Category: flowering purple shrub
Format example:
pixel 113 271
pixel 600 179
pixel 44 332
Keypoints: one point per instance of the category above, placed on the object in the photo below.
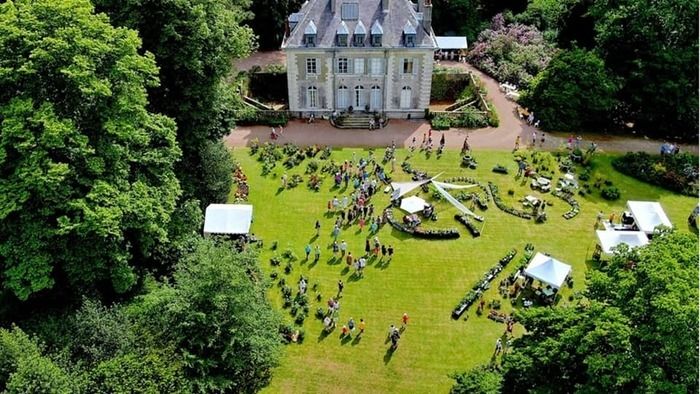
pixel 512 53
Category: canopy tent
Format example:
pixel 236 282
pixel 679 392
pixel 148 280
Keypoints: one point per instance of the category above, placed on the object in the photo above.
pixel 647 215
pixel 402 188
pixel 228 219
pixel 610 239
pixel 413 204
pixel 450 43
pixel 548 270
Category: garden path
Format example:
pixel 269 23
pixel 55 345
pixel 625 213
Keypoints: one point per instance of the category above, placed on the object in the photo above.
pixel 403 131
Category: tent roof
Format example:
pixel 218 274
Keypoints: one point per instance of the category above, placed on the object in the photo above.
pixel 548 270
pixel 412 204
pixel 648 214
pixel 610 239
pixel 451 42
pixel 402 188
pixel 228 219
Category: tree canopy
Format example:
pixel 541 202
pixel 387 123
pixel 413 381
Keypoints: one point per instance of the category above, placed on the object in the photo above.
pixel 636 331
pixel 86 171
pixel 194 42
pixel 574 91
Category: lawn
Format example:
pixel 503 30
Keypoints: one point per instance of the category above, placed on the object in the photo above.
pixel 426 278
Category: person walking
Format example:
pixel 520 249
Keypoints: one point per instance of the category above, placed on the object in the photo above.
pixel 343 248
pixel 351 325
pixel 341 286
pixel 307 250
pixel 336 232
pixel 284 181
pixel 344 331
pixel 499 347
pixel 367 248
pixel 317 253
pixel 317 226
pixel 361 326
pixel 383 251
pixel 404 320
pixel 390 251
pixel 534 138
pixel 442 140
pixel 542 140
pixel 348 259
pixel 517 143
pixel 335 248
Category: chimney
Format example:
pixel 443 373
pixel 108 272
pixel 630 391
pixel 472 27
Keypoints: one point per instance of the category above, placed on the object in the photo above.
pixel 333 6
pixel 427 14
pixel 385 5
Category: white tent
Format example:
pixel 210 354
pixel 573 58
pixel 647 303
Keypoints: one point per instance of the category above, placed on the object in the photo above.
pixel 647 215
pixel 451 42
pixel 228 219
pixel 402 188
pixel 548 270
pixel 412 204
pixel 610 239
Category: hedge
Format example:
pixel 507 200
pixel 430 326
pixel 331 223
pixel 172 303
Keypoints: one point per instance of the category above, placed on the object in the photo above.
pixel 678 173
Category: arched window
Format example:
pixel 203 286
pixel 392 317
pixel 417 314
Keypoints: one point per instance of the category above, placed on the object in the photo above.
pixel 375 98
pixel 312 97
pixel 405 97
pixel 342 100
pixel 359 101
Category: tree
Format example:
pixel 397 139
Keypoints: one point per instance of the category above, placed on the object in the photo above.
pixel 269 20
pixel 653 47
pixel 217 315
pixel 480 380
pixel 637 330
pixel 461 17
pixel 23 368
pixel 575 92
pixel 150 373
pixel 194 42
pixel 86 172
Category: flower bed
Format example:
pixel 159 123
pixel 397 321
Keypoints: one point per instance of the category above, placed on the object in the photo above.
pixel 241 181
pixel 481 286
pixel 499 203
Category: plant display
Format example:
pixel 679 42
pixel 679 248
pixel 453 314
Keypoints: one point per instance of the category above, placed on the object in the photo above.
pixel 294 181
pixel 673 172
pixel 464 219
pixel 610 193
pixel 315 182
pixel 499 203
pixel 569 198
pixel 481 286
pixel 499 169
pixel 418 231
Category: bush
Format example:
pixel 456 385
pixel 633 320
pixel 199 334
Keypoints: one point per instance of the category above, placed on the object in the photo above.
pixel 440 122
pixel 610 193
pixel 673 172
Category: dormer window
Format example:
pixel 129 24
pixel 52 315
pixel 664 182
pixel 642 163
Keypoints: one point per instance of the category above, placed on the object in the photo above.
pixel 409 35
pixel 376 34
pixel 310 34
pixel 358 36
pixel 341 35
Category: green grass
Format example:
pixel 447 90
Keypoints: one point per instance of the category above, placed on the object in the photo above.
pixel 425 279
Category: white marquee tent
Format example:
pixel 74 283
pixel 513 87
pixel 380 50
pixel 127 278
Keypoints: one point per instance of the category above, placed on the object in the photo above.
pixel 451 42
pixel 610 239
pixel 413 204
pixel 647 215
pixel 228 219
pixel 548 270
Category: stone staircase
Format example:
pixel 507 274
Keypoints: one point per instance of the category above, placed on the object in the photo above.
pixel 353 121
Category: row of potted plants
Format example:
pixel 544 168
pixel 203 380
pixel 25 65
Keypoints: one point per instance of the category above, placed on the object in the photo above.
pixel 418 231
pixel 503 207
pixel 469 225
pixel 569 198
pixel 478 289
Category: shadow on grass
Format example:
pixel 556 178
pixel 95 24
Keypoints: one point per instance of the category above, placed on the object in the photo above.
pixel 324 334
pixel 313 263
pixel 344 339
pixel 357 340
pixel 279 191
pixel 312 239
pixel 333 261
pixel 354 277
pixel 389 354
pixel 345 271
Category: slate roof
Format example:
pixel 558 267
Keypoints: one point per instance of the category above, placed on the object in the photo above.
pixel 401 14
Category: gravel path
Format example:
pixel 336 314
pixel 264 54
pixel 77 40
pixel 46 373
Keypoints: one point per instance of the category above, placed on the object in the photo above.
pixel 403 131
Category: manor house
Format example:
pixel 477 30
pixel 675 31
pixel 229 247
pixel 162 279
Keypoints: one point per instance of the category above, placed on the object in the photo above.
pixel 372 55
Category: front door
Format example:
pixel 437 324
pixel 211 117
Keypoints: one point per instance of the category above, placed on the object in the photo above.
pixel 359 98
pixel 405 97
pixel 342 99
pixel 375 98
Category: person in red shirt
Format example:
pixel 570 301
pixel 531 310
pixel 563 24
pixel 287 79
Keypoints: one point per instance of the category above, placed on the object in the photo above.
pixel 404 320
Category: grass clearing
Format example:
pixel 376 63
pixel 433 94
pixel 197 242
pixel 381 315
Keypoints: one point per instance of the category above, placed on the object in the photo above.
pixel 426 278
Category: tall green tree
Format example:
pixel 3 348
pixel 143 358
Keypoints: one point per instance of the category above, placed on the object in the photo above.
pixel 217 315
pixel 269 20
pixel 636 331
pixel 86 172
pixel 575 92
pixel 653 47
pixel 194 42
